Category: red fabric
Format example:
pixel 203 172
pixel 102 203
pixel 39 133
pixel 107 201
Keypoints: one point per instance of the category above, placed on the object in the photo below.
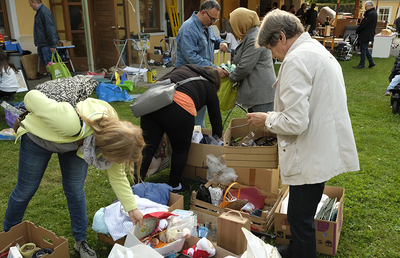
pixel 159 215
pixel 200 254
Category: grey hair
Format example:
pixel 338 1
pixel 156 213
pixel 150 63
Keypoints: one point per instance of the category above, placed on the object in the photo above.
pixel 273 23
pixel 210 4
pixel 370 3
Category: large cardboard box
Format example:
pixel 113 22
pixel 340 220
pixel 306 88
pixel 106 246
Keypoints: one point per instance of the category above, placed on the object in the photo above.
pixel 30 64
pixel 327 232
pixel 156 58
pixel 175 202
pixel 27 232
pixel 248 157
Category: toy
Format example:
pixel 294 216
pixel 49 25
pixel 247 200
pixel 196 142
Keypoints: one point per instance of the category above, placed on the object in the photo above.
pixel 203 249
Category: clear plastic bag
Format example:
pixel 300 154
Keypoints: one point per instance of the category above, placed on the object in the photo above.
pixel 218 172
pixel 175 228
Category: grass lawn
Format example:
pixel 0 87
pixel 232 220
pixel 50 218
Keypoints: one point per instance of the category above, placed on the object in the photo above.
pixel 371 224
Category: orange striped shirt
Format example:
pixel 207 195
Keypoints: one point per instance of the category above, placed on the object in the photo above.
pixel 185 102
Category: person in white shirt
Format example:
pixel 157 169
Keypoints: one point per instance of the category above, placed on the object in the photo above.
pixel 8 78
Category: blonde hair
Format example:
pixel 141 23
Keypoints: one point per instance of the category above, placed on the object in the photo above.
pixel 273 23
pixel 118 140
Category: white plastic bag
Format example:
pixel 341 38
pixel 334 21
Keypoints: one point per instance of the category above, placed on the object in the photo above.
pixel 137 251
pixel 218 172
pixel 256 248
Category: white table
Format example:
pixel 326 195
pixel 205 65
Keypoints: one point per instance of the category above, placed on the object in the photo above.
pixel 382 45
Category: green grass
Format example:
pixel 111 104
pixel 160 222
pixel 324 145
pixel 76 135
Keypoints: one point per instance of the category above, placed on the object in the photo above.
pixel 371 225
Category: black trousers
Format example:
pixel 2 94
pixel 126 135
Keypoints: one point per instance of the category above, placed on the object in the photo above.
pixel 6 96
pixel 178 124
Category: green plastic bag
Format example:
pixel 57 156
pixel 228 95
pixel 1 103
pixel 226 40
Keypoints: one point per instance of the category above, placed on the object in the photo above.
pixel 227 94
pixel 57 68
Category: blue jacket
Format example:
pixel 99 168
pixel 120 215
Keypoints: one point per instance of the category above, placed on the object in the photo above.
pixel 196 44
pixel 44 28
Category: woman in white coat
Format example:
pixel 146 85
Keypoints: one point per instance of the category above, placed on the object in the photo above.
pixel 311 120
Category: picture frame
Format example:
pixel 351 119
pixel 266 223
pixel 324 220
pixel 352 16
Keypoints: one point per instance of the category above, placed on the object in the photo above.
pixel 21 82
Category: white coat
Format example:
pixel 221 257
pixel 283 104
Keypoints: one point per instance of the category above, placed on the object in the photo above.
pixel 315 137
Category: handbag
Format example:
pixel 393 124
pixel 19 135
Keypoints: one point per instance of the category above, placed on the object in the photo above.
pixel 57 68
pixel 227 94
pixel 111 93
pixel 157 96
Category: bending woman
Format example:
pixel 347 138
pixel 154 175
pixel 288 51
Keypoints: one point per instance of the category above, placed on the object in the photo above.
pixel 177 119
pixel 78 136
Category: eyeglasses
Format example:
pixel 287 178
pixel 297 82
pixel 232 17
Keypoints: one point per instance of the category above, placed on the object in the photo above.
pixel 212 19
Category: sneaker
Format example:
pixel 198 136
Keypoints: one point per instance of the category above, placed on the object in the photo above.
pixel 84 250
pixel 183 188
pixel 285 251
pixel 359 67
pixel 371 65
pixel 387 93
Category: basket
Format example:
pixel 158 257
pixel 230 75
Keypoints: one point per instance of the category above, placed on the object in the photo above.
pixel 11 117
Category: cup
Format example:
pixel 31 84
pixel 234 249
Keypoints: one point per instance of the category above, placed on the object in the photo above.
pixel 211 223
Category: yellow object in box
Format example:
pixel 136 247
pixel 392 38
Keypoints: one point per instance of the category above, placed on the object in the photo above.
pixel 152 75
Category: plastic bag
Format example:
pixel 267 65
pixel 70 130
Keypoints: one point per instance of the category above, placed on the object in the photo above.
pixel 256 248
pixel 227 94
pixel 111 93
pixel 216 195
pixel 176 226
pixel 218 172
pixel 57 67
pixel 137 251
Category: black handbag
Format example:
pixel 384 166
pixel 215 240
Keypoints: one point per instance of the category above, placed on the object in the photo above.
pixel 203 194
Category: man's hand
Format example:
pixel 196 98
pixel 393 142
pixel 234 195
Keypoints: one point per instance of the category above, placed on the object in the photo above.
pixel 136 216
pixel 222 72
pixel 223 46
pixel 53 49
pixel 257 119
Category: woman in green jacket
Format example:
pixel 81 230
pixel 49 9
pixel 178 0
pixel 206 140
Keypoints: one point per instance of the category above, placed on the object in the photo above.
pixel 90 134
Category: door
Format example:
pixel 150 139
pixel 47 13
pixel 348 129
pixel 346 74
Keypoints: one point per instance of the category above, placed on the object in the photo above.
pixel 190 7
pixel 106 30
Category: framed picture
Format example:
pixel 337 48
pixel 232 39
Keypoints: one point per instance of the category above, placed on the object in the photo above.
pixel 21 81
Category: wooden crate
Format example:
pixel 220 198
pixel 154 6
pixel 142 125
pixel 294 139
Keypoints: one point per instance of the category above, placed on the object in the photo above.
pixel 263 224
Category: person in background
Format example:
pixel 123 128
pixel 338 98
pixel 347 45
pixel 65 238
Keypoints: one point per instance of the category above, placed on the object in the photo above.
pixel 366 33
pixel 397 23
pixel 91 133
pixel 291 9
pixel 8 78
pixel 196 42
pixel 301 12
pixel 177 119
pixel 312 124
pixel 274 6
pixel 44 31
pixel 310 18
pixel 283 8
pixel 394 79
pixel 254 67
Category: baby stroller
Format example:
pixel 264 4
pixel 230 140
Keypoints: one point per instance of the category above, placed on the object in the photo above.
pixel 349 43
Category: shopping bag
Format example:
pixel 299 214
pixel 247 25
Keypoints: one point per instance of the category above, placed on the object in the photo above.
pixel 256 248
pixel 111 93
pixel 227 94
pixel 137 251
pixel 57 68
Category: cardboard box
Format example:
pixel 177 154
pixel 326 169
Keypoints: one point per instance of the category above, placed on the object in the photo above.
pixel 30 64
pixel 327 232
pixel 27 232
pixel 64 43
pixel 263 179
pixel 175 202
pixel 249 157
pixel 156 58
pixel 230 235
pixel 220 252
pixel 137 56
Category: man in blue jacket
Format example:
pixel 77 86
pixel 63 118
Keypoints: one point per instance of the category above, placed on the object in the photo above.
pixel 196 42
pixel 366 33
pixel 44 31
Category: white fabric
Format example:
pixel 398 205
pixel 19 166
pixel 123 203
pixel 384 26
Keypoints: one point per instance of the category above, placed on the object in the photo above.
pixel 315 137
pixel 231 41
pixel 285 202
pixel 118 221
pixel 8 80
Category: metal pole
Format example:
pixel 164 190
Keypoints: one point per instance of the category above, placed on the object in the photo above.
pixel 334 28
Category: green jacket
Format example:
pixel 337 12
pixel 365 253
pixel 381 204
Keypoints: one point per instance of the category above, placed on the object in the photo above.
pixel 59 122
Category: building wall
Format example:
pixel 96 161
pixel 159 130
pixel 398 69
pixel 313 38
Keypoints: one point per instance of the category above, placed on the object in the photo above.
pixel 26 15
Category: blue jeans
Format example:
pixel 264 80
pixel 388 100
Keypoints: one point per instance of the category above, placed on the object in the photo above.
pixel 201 114
pixel 44 54
pixel 303 202
pixel 365 53
pixel 33 161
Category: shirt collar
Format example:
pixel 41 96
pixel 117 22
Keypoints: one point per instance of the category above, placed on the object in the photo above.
pixel 37 9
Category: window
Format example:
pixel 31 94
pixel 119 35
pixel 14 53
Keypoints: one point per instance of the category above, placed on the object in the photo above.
pixel 4 27
pixel 383 13
pixel 149 15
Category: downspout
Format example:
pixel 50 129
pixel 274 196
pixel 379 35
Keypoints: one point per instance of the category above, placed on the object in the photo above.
pixel 88 38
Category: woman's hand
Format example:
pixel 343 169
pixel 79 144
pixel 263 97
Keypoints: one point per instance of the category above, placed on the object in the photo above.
pixel 257 119
pixel 136 216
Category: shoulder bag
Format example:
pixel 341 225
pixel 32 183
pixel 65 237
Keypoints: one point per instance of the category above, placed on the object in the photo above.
pixel 157 96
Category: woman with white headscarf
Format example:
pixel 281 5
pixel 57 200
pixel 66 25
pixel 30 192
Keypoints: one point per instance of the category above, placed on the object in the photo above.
pixel 254 67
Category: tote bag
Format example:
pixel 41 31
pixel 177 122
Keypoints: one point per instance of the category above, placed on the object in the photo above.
pixel 57 68
pixel 227 94
pixel 157 96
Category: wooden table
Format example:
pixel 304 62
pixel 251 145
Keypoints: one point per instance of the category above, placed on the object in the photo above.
pixel 327 41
